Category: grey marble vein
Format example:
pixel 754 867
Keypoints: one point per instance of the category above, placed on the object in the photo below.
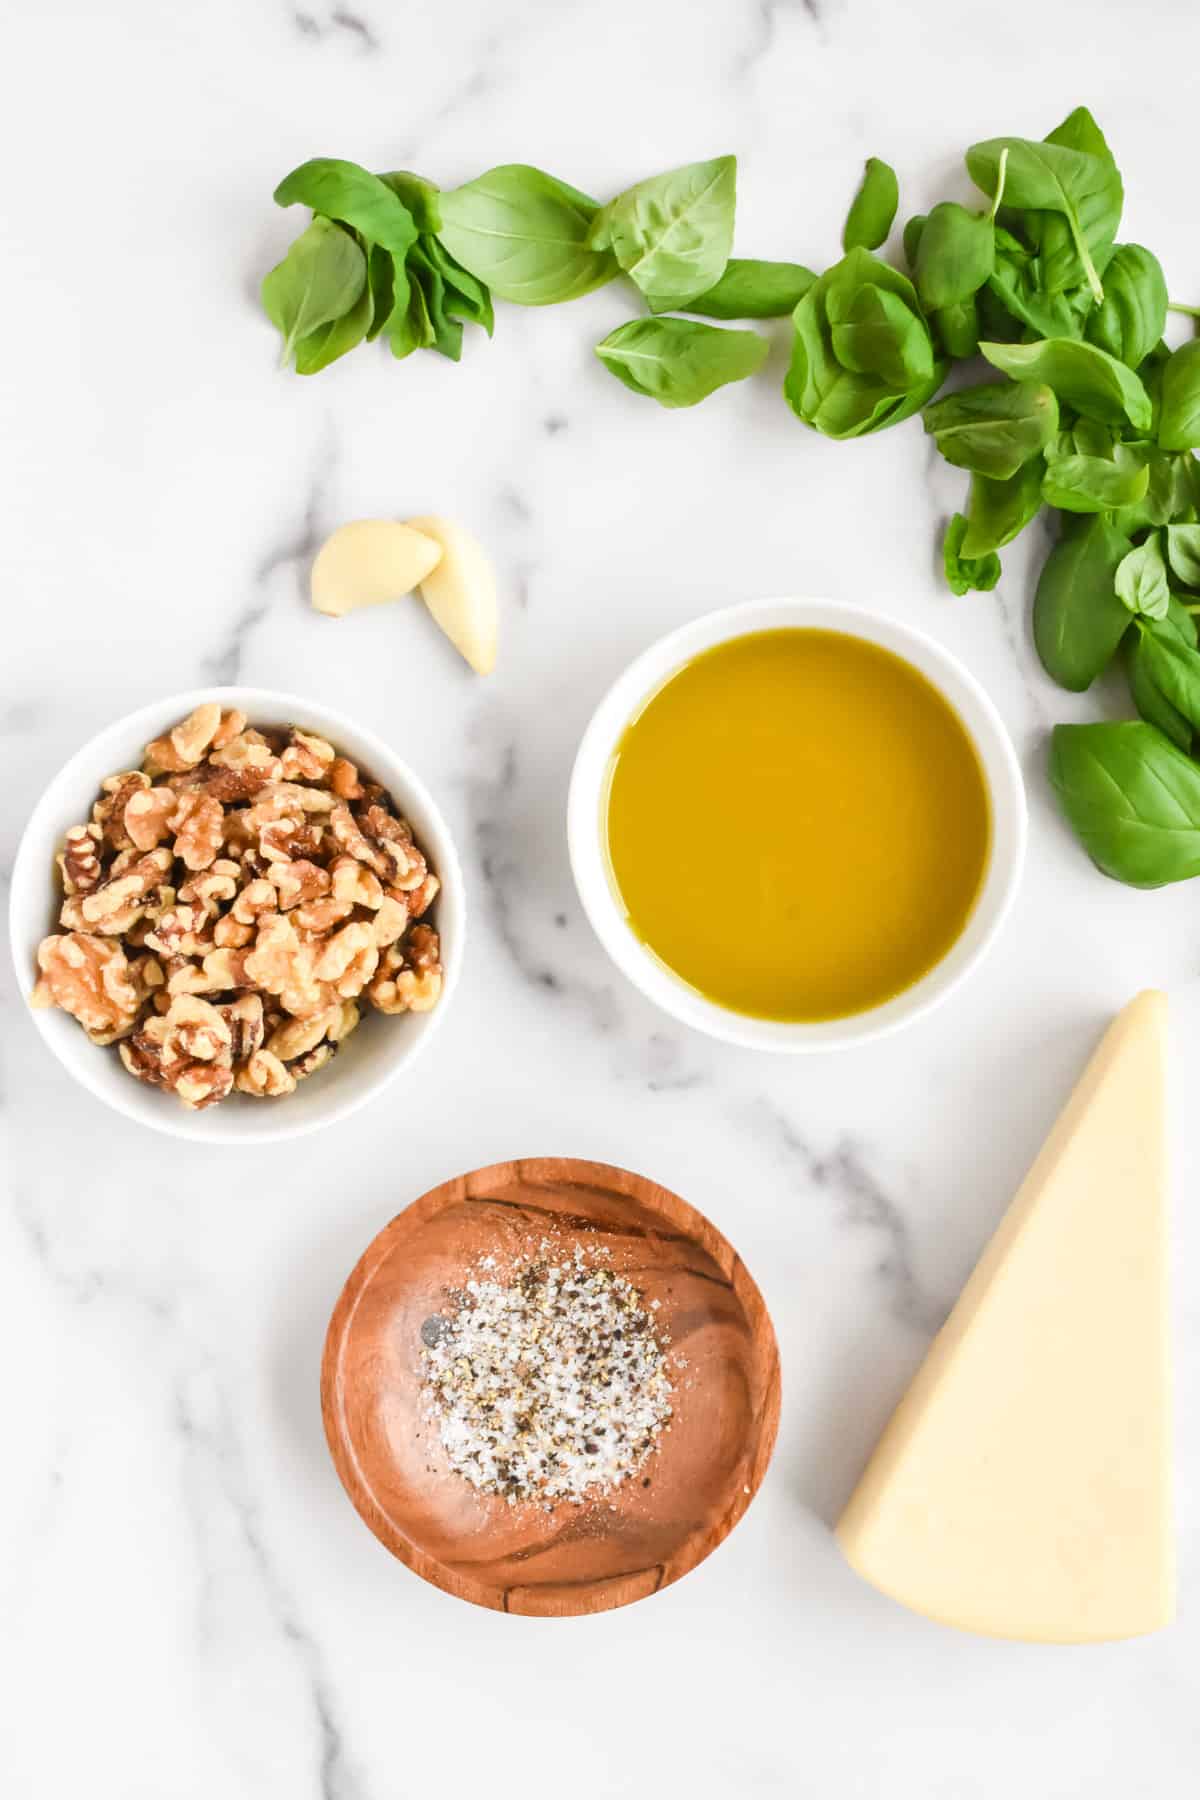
pixel 844 1175
pixel 340 19
pixel 294 552
pixel 767 15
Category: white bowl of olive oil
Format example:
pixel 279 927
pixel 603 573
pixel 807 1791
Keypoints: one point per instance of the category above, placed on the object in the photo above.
pixel 796 824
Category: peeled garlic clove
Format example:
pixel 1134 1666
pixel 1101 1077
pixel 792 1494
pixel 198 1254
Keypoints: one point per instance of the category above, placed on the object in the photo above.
pixel 460 592
pixel 369 561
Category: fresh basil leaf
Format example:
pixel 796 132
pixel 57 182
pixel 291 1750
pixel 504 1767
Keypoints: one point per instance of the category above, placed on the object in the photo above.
pixel 998 511
pixel 447 330
pixel 381 277
pixel 955 329
pixel 1095 484
pixel 525 235
pixel 421 198
pixel 873 209
pixel 994 428
pixel 1051 177
pixel 344 191
pixel 679 362
pixel 1151 703
pixel 410 327
pixel 1079 131
pixel 1058 257
pixel 1183 553
pixel 839 402
pixel 329 341
pixel 1179 421
pixel 912 238
pixel 466 296
pixel 1078 621
pixel 955 257
pixel 321 278
pixel 1088 379
pixel 1174 668
pixel 1141 580
pixel 880 335
pixel 750 289
pixel 1016 284
pixel 965 573
pixel 1129 322
pixel 1133 799
pixel 1167 493
pixel 672 234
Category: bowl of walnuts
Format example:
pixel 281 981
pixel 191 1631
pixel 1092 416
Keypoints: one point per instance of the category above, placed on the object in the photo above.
pixel 237 915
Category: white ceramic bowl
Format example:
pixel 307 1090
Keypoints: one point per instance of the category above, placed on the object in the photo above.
pixel 372 1057
pixel 586 826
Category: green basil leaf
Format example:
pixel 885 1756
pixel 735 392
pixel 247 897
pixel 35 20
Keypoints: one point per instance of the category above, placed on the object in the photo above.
pixel 1174 668
pixel 525 235
pixel 1078 621
pixel 1151 702
pixel 1183 553
pixel 1051 177
pixel 1130 321
pixel 964 573
pixel 381 277
pixel 1141 580
pixel 880 335
pixel 1167 493
pixel 410 327
pixel 998 511
pixel 1179 421
pixel 912 238
pixel 342 190
pixel 1015 283
pixel 321 278
pixel 1088 379
pixel 956 255
pixel 1095 484
pixel 1153 705
pixel 838 402
pixel 956 329
pixel 1133 799
pixel 421 197
pixel 679 362
pixel 873 208
pixel 1058 257
pixel 324 345
pixel 751 289
pixel 672 234
pixel 466 296
pixel 995 428
pixel 447 330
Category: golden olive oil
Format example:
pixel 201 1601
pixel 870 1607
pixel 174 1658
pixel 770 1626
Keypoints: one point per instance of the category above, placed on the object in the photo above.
pixel 797 824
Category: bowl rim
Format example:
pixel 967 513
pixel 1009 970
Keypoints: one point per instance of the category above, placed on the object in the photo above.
pixel 633 688
pixel 210 1126
pixel 585 1598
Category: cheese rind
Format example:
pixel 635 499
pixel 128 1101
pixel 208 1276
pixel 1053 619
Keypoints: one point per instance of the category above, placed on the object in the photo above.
pixel 1022 1487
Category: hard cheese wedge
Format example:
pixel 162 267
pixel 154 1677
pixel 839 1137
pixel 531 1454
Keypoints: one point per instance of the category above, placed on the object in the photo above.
pixel 1022 1487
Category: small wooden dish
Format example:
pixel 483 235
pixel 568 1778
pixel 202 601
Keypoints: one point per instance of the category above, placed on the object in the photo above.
pixel 577 1558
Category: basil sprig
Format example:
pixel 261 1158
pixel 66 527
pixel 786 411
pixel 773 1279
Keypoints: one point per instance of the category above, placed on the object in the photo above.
pixel 1087 413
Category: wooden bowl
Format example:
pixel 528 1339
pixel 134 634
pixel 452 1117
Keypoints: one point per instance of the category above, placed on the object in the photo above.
pixel 576 1558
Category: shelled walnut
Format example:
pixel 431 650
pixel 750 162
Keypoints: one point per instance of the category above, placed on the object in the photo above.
pixel 231 906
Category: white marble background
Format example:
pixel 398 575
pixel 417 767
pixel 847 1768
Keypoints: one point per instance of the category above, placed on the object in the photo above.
pixel 188 1606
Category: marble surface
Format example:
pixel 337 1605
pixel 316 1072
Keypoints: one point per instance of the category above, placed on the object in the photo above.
pixel 188 1605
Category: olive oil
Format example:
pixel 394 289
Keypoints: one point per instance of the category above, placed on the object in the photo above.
pixel 797 824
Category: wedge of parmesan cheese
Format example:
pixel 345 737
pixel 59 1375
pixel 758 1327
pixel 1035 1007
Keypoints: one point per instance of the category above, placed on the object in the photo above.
pixel 1023 1486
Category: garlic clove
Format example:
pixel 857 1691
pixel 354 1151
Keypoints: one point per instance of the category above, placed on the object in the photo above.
pixel 370 561
pixel 460 592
